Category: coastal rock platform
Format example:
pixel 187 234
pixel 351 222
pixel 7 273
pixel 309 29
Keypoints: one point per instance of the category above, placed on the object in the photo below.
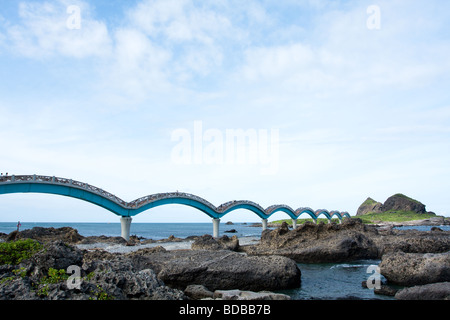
pixel 141 272
pixel 150 273
pixel 351 240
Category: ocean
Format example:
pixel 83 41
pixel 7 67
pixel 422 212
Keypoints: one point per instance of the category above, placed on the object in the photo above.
pixel 328 281
pixel 155 231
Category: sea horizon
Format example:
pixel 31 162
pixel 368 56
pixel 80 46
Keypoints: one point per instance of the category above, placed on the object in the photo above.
pixel 147 230
pixel 159 230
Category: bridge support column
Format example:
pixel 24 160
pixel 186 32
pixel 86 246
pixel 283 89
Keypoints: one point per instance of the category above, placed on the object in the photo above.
pixel 294 224
pixel 264 224
pixel 125 223
pixel 216 223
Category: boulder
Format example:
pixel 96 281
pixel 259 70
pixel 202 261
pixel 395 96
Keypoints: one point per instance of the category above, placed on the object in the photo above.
pixel 351 240
pixel 66 234
pixel 432 291
pixel 222 269
pixel 410 269
pixel 318 243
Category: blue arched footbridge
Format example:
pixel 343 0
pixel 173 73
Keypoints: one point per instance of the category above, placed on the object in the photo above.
pixel 126 210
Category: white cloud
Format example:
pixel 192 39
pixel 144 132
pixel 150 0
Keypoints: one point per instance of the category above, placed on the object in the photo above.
pixel 43 32
pixel 352 105
pixel 180 21
pixel 194 34
pixel 341 55
pixel 139 65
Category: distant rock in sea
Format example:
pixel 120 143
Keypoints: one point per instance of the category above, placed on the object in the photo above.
pixel 397 202
pixel 369 205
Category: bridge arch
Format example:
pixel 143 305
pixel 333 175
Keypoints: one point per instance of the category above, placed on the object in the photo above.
pixel 324 212
pixel 176 200
pixel 126 210
pixel 67 191
pixel 308 211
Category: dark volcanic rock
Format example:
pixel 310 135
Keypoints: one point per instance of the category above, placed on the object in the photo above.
pixel 311 243
pixel 66 234
pixel 103 276
pixel 120 279
pixel 56 255
pixel 351 240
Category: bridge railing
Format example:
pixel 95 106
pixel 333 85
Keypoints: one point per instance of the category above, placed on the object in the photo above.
pixel 227 205
pixel 270 209
pixel 57 180
pixel 153 197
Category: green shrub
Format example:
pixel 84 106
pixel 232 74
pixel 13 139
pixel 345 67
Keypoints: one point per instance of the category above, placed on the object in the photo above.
pixel 101 294
pixel 15 251
pixel 55 276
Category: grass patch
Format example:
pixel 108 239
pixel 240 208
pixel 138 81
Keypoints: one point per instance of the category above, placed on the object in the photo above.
pixel 369 202
pixel 400 195
pixel 394 216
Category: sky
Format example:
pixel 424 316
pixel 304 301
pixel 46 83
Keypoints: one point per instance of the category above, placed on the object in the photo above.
pixel 309 103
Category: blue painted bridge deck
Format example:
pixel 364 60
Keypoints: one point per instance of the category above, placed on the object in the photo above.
pixel 126 210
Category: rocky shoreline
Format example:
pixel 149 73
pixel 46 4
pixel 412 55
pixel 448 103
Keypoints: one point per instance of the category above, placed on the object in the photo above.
pixel 216 268
pixel 400 251
pixel 146 273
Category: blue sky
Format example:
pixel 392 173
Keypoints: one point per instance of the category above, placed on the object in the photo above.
pixel 359 111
